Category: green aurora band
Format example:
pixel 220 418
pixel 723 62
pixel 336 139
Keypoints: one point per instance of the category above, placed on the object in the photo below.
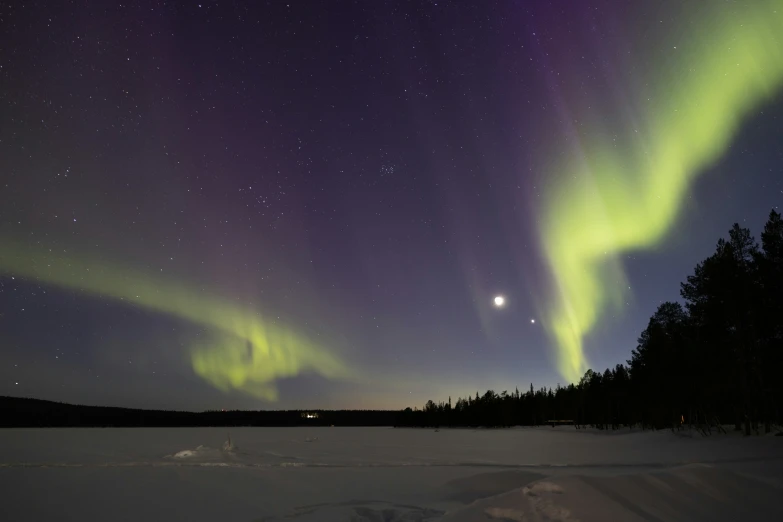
pixel 246 352
pixel 625 190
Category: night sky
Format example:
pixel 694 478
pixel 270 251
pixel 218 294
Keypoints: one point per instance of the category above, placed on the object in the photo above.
pixel 314 203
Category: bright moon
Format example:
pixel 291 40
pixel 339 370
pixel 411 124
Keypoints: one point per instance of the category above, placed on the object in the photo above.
pixel 500 301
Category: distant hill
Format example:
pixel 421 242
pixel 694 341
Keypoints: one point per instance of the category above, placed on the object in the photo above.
pixel 16 412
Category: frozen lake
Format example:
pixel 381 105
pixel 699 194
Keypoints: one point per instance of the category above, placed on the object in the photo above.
pixel 385 474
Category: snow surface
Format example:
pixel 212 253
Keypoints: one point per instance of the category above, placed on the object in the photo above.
pixel 385 474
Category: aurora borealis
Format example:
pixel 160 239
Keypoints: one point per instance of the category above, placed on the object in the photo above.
pixel 249 353
pixel 625 194
pixel 315 204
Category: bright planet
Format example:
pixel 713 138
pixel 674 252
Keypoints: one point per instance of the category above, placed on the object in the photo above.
pixel 499 301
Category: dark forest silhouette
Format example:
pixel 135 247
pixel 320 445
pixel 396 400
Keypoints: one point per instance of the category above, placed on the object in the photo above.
pixel 714 360
pixel 20 412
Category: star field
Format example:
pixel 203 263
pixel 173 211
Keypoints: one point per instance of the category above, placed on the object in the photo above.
pixel 314 204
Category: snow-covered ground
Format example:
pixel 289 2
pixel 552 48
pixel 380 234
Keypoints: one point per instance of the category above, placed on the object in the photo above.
pixel 385 474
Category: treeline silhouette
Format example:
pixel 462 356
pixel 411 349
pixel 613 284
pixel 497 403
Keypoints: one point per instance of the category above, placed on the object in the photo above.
pixel 714 359
pixel 33 413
